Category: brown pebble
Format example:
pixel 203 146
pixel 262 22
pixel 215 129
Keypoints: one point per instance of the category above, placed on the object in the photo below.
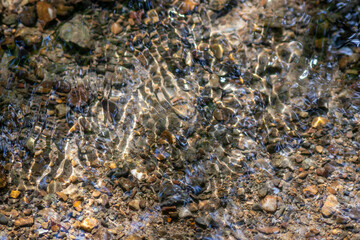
pixel 14 213
pixel 187 6
pixel 312 233
pixel 310 190
pixel 304 151
pixel 116 28
pixel 343 61
pixel 331 190
pixel 112 165
pixel 133 237
pixel 88 224
pixel 342 219
pixel 63 10
pixel 27 212
pixel 349 134
pixel 44 87
pixel 55 228
pixel 168 136
pixel 104 200
pixel 328 169
pixel 193 207
pixel 319 149
pixel 304 114
pixel 134 205
pixel 219 115
pixel 96 193
pixel 204 205
pixel 24 222
pixel 299 159
pixel 62 196
pixel 303 175
pixel 320 43
pixel 165 210
pixel 136 16
pixel 329 206
pixel 28 16
pixel 142 204
pixel 77 224
pixel 46 12
pixel 218 51
pixel 320 171
pixel 45 225
pixel 268 230
pixel 131 22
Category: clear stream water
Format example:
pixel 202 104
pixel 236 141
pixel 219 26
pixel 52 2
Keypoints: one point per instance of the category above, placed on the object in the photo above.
pixel 222 119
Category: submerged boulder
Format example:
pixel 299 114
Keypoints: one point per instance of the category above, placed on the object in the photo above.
pixel 76 32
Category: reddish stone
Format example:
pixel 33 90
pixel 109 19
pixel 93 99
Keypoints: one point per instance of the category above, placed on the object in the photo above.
pixel 46 12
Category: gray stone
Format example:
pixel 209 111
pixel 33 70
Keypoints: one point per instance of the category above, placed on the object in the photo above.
pixel 214 81
pixel 11 19
pixel 263 191
pixel 202 222
pixel 3 219
pixel 307 163
pixel 54 186
pixel 30 144
pixel 61 110
pixel 184 212
pixel 76 32
pixel 134 205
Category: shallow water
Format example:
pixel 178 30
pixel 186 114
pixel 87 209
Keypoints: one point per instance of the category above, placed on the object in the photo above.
pixel 181 120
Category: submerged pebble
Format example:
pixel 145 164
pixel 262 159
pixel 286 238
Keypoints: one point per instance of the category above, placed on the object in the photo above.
pixel 88 224
pixel 269 203
pixel 45 12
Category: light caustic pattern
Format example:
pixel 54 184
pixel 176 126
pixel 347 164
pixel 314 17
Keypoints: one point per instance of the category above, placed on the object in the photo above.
pixel 209 98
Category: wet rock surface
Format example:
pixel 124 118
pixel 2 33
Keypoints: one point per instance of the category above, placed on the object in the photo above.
pixel 76 32
pixel 179 120
pixel 24 222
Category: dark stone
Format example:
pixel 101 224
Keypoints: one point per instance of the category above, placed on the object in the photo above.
pixel 328 169
pixel 79 96
pixel 121 172
pixel 111 109
pixel 28 16
pixel 166 210
pixel 62 86
pixel 3 219
pixel 272 148
pixel 126 184
pixel 171 195
pixel 356 86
